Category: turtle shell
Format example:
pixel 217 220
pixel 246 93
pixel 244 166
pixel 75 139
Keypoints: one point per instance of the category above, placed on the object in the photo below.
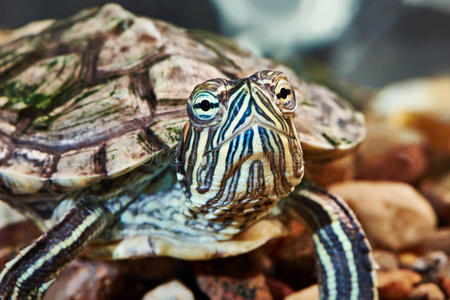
pixel 101 93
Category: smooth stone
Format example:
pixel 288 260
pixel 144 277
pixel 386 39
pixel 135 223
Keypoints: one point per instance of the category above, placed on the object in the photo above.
pixel 386 260
pixel 327 172
pixel 239 278
pixel 172 290
pixel 397 284
pixel 420 103
pixel 427 291
pixel 309 293
pixel 393 214
pixel 391 153
pixel 437 191
pixel 437 241
pixel 87 280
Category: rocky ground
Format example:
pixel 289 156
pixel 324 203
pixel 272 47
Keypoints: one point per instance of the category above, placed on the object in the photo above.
pixel 398 184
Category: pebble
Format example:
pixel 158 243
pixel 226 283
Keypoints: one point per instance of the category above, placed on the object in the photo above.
pixel 6 254
pixel 309 293
pixel 421 103
pixel 386 260
pixel 445 285
pixel 427 291
pixel 86 280
pixel 397 284
pixel 18 234
pixel 407 259
pixel 219 287
pixel 324 173
pixel 172 290
pixel 15 236
pixel 237 278
pixel 278 288
pixel 431 265
pixel 294 254
pixel 393 214
pixel 437 191
pixel 437 241
pixel 399 156
pixel 158 269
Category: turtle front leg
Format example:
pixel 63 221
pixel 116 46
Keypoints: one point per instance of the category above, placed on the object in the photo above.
pixel 346 268
pixel 32 271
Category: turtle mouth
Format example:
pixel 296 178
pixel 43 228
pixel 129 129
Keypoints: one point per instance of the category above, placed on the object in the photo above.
pixel 255 121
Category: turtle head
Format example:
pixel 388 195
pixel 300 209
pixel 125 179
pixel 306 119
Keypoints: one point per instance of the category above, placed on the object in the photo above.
pixel 239 152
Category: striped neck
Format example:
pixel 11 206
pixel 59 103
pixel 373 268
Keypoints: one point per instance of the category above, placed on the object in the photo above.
pixel 345 264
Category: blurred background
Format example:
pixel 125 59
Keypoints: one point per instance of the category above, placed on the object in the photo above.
pixel 389 57
pixel 365 42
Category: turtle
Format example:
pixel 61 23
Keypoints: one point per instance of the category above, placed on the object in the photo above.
pixel 124 137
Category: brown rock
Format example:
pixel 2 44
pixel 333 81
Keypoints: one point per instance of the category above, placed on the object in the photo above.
pixel 294 254
pixel 445 271
pixel 386 260
pixel 13 237
pixel 278 288
pixel 407 259
pixel 86 280
pixel 406 163
pixel 6 254
pixel 439 164
pixel 238 277
pixel 310 293
pixel 445 285
pixel 397 284
pixel 393 214
pixel 391 153
pixel 159 269
pixel 225 287
pixel 15 233
pixel 437 241
pixel 422 103
pixel 436 129
pixel 437 191
pixel 431 265
pixel 173 290
pixel 18 234
pixel 327 172
pixel 297 251
pixel 427 291
pixel 261 258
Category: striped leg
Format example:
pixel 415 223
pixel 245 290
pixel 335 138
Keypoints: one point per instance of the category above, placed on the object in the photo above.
pixel 345 265
pixel 28 275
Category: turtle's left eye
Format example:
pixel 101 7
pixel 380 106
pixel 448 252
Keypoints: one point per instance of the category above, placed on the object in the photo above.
pixel 205 106
pixel 285 96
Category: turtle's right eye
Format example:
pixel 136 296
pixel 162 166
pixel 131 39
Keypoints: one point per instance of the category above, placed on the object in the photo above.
pixel 205 106
pixel 285 96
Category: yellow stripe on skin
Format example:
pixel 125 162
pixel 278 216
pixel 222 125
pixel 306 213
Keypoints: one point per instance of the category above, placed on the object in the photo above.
pixel 54 251
pixel 242 110
pixel 325 259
